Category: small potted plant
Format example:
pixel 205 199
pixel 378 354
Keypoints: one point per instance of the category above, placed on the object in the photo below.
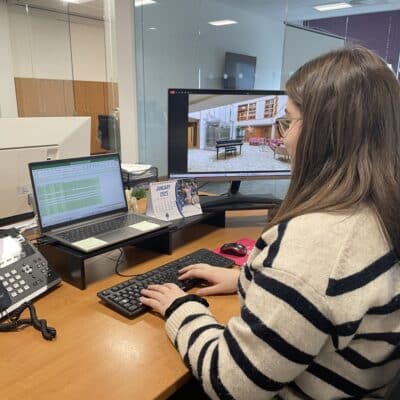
pixel 133 195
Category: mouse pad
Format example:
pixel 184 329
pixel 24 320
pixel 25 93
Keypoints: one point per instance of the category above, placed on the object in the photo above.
pixel 249 243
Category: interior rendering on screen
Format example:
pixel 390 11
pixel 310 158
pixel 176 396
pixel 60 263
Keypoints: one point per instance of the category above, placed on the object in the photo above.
pixel 214 133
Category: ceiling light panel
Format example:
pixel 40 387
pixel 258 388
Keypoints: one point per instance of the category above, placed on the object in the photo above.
pixel 332 6
pixel 222 22
pixel 139 3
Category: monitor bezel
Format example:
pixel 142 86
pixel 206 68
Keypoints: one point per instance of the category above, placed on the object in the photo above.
pixel 220 175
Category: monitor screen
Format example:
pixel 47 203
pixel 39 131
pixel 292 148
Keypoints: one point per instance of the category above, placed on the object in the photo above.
pixel 226 134
pixel 72 190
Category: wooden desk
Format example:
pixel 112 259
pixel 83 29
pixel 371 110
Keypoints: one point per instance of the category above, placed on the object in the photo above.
pixel 99 354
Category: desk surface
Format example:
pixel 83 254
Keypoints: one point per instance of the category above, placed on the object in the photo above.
pixel 99 354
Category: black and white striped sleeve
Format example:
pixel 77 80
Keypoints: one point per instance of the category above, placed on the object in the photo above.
pixel 283 325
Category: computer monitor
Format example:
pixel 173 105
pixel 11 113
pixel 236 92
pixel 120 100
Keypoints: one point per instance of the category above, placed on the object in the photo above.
pixel 26 140
pixel 228 135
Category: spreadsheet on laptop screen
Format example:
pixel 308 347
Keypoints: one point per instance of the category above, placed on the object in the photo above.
pixel 69 190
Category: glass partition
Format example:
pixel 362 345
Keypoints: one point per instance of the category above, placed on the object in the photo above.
pixel 372 24
pixel 60 59
pixel 187 44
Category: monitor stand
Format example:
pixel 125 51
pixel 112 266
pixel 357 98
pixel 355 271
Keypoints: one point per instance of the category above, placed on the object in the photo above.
pixel 234 200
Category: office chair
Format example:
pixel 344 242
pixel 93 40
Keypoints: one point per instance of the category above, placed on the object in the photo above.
pixel 393 392
pixel 108 132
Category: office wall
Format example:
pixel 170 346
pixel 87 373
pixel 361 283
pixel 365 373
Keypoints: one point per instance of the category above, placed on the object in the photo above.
pixel 45 45
pixel 176 47
pixel 40 44
pixel 8 103
pixel 59 65
pixel 88 50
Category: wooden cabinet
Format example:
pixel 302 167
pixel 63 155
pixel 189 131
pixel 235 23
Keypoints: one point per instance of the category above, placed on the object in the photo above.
pixel 44 97
pixel 60 98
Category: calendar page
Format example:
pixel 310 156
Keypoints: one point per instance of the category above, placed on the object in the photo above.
pixel 174 199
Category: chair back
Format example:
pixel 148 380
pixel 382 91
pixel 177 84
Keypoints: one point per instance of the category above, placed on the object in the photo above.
pixel 109 132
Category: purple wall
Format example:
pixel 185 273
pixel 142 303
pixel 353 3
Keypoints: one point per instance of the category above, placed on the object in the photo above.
pixel 378 31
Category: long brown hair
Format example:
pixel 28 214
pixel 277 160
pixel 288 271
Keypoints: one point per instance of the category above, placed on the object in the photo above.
pixel 348 151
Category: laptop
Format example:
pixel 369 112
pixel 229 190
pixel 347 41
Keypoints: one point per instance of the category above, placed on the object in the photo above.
pixel 81 203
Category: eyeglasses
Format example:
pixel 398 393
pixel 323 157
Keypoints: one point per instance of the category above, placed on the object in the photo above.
pixel 284 124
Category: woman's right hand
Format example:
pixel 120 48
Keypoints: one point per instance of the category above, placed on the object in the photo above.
pixel 219 280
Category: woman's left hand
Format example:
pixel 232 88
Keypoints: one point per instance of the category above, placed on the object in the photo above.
pixel 160 297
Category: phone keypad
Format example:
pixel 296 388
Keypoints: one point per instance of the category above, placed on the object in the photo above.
pixel 14 282
pixel 26 278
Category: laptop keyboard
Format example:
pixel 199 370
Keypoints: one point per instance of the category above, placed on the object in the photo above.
pixel 124 297
pixel 98 228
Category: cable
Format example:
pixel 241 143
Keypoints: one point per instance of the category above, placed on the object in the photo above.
pixel 48 332
pixel 117 264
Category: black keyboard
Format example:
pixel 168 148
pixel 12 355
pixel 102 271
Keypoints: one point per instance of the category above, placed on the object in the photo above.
pixel 124 297
pixel 98 228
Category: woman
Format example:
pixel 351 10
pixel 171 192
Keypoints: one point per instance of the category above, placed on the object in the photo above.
pixel 320 295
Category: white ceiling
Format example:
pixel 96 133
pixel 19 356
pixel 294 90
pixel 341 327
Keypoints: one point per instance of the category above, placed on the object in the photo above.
pixel 85 8
pixel 287 10
pixel 299 10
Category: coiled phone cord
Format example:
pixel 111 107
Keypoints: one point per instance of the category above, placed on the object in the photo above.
pixel 14 323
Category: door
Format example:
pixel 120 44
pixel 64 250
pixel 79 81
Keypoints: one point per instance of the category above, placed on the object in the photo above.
pixel 192 135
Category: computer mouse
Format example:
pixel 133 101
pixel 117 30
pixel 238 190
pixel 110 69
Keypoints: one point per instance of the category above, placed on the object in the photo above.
pixel 234 249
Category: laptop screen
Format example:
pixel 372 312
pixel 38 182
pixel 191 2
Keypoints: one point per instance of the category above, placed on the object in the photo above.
pixel 72 190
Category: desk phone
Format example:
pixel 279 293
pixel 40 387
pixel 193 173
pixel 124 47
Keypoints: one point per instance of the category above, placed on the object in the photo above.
pixel 24 272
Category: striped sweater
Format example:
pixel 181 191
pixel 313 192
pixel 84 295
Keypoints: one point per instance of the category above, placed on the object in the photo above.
pixel 320 316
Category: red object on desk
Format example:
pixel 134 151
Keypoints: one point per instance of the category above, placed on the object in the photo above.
pixel 248 243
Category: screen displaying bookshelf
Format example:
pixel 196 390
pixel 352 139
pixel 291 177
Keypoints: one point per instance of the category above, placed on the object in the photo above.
pixel 270 107
pixel 242 112
pixel 247 112
pixel 252 111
